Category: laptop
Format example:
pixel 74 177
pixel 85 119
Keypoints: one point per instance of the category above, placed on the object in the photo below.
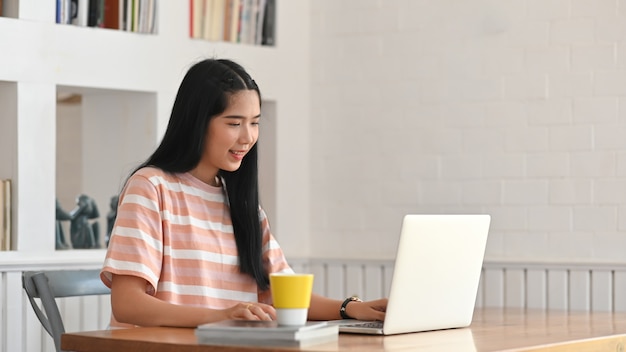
pixel 436 275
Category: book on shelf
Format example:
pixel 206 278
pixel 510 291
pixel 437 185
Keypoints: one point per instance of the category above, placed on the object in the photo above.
pixel 228 16
pixel 216 28
pixel 95 13
pixel 235 21
pixel 207 9
pixel 127 15
pixel 265 333
pixel 81 13
pixel 111 14
pixel 258 32
pixel 269 26
pixel 127 19
pixel 5 215
pixel 134 27
pixel 196 12
pixel 63 14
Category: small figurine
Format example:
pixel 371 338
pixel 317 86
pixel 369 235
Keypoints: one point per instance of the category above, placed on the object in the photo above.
pixel 82 234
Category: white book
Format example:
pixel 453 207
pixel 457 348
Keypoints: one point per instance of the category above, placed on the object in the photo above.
pixel 244 21
pixel 122 11
pixel 259 23
pixel 254 14
pixel 152 17
pixel 82 13
pixel 268 333
pixel 217 20
pixel 234 21
pixel 128 14
pixel 207 7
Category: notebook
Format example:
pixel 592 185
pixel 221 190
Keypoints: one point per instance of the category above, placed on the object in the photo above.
pixel 435 277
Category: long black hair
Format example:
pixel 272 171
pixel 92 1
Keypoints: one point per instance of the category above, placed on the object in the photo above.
pixel 203 94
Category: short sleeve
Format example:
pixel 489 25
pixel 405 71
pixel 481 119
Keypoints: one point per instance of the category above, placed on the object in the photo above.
pixel 136 242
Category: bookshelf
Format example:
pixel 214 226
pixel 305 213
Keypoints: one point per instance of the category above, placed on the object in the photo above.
pixel 123 84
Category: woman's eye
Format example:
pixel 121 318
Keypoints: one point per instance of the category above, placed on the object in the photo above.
pixel 234 124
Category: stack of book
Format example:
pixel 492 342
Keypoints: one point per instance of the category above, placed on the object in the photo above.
pixel 127 15
pixel 236 21
pixel 265 333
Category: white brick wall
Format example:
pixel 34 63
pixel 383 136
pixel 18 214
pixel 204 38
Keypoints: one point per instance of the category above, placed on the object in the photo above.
pixel 511 107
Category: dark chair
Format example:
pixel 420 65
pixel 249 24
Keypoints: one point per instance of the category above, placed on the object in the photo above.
pixel 48 285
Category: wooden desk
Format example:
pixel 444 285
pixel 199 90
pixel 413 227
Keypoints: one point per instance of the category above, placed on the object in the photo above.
pixel 492 329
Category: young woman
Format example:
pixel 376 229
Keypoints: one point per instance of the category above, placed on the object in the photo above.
pixel 191 244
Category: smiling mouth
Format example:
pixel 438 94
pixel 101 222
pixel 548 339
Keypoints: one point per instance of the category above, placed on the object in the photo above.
pixel 238 152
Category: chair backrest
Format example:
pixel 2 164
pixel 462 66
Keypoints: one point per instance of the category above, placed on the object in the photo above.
pixel 48 285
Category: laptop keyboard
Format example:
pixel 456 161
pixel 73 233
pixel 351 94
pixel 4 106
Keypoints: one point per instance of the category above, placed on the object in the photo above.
pixel 368 324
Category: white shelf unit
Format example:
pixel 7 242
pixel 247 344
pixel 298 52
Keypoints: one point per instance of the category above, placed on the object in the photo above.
pixel 127 83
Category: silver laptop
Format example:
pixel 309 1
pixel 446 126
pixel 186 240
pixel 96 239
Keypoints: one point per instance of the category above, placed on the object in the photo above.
pixel 435 277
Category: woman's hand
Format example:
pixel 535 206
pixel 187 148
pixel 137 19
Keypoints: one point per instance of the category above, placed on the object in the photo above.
pixel 370 310
pixel 251 311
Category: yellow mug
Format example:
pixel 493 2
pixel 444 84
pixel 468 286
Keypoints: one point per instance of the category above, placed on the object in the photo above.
pixel 291 294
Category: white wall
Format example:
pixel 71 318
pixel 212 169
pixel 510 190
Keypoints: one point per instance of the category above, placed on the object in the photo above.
pixel 515 108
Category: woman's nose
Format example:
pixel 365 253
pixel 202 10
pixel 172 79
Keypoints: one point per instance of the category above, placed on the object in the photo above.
pixel 247 135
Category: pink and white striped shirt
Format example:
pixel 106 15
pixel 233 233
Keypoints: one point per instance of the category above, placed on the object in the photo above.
pixel 175 231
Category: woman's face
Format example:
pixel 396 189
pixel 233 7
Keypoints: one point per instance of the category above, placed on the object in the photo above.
pixel 230 136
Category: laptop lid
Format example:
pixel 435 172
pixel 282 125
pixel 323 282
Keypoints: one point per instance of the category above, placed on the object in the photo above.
pixel 436 273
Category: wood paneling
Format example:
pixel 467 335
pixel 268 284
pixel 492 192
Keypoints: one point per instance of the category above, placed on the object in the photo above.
pixel 573 286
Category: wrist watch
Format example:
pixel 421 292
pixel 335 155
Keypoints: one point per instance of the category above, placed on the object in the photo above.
pixel 342 310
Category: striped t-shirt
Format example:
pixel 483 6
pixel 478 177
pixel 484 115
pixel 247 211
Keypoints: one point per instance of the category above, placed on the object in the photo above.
pixel 175 231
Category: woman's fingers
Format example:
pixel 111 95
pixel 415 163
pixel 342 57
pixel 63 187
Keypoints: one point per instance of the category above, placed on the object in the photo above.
pixel 256 311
